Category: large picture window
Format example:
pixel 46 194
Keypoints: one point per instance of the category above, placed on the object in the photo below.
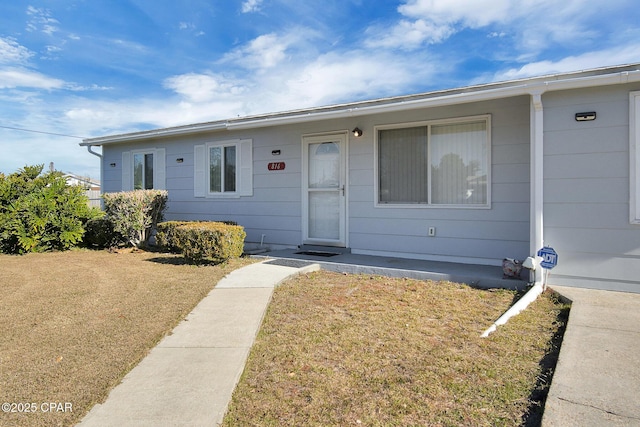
pixel 443 164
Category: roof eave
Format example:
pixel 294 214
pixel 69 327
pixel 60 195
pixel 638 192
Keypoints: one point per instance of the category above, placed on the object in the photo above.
pixel 530 86
pixel 155 133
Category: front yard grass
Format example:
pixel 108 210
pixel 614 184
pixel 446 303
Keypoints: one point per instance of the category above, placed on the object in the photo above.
pixel 334 349
pixel 339 350
pixel 72 324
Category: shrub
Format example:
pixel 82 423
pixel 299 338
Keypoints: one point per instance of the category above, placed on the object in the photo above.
pixel 41 212
pixel 133 214
pixel 166 236
pixel 99 234
pixel 198 241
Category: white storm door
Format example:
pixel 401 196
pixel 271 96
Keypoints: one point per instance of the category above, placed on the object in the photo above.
pixel 324 198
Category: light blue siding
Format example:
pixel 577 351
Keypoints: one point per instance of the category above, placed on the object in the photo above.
pixel 586 190
pixel 274 211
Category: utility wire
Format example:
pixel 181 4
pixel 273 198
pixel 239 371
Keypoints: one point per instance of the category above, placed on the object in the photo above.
pixel 39 131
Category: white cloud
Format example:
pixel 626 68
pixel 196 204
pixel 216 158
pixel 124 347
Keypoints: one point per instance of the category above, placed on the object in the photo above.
pixel 532 25
pixel 471 13
pixel 347 76
pixel 266 51
pixel 408 35
pixel 20 77
pixel 198 88
pixel 11 52
pixel 251 6
pixel 40 20
pixel 610 57
pixel 434 21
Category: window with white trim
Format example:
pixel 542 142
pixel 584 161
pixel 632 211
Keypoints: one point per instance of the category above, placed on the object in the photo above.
pixel 223 169
pixel 634 157
pixel 439 163
pixel 143 169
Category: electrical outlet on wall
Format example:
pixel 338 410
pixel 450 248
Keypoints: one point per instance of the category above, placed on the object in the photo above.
pixel 432 231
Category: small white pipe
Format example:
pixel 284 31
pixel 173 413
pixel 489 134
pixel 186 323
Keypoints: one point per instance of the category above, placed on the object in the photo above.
pixel 515 309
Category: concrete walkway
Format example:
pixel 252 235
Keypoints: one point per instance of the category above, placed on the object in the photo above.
pixel 597 378
pixel 188 378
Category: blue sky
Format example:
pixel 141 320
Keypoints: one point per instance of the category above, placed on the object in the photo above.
pixel 89 68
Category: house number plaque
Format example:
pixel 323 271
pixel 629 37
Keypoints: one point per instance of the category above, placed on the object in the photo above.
pixel 276 166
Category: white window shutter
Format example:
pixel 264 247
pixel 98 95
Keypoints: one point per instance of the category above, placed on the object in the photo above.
pixel 159 169
pixel 246 168
pixel 127 182
pixel 200 169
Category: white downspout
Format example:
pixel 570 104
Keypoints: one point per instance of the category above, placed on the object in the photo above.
pixel 537 181
pixel 536 212
pixel 89 147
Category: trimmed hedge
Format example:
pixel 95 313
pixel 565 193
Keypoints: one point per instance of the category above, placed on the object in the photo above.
pixel 199 241
pixel 166 235
pixel 133 214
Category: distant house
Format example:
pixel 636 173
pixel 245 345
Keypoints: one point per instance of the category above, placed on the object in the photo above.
pixel 84 181
pixel 91 186
pixel 472 175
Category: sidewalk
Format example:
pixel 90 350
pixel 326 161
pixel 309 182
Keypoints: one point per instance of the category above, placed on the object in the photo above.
pixel 597 378
pixel 189 377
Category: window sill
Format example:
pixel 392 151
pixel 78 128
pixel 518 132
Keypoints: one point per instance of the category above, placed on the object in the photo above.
pixel 427 206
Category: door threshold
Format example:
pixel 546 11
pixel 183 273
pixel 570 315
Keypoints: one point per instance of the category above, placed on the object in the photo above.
pixel 323 251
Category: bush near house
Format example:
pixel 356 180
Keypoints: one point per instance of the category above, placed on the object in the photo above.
pixel 133 214
pixel 99 234
pixel 199 241
pixel 41 212
pixel 166 235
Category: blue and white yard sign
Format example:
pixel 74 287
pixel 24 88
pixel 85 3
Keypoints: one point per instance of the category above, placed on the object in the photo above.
pixel 549 257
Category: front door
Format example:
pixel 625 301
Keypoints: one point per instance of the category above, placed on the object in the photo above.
pixel 324 198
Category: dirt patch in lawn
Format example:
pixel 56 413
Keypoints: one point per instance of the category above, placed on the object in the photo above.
pixel 366 350
pixel 72 324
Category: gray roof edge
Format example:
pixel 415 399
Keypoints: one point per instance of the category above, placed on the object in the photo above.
pixel 540 84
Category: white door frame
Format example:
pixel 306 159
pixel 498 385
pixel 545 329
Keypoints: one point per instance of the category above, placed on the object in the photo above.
pixel 340 189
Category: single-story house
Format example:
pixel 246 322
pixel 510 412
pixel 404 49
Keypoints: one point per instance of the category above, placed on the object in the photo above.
pixel 468 175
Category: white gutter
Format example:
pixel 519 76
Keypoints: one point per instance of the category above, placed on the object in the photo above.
pixel 473 94
pixel 439 101
pixel 157 133
pixel 355 111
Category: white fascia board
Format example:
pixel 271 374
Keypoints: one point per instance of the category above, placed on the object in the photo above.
pixel 533 86
pixel 401 105
pixel 156 133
